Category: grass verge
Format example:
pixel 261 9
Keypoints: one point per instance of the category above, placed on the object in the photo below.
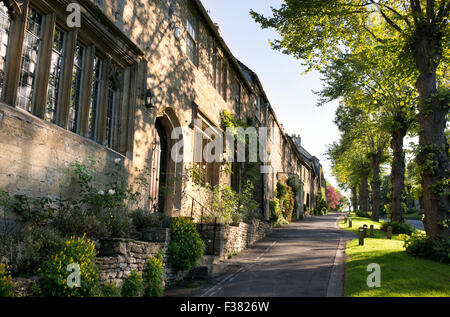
pixel 401 274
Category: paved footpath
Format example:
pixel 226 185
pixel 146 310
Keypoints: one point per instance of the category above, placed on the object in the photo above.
pixel 303 259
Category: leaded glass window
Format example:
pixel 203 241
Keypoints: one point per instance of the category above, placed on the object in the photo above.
pixel 192 36
pixel 77 78
pixel 30 57
pixel 54 86
pixel 111 112
pixel 5 23
pixel 95 97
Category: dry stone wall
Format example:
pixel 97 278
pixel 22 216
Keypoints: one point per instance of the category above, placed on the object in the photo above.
pixel 222 240
pixel 118 257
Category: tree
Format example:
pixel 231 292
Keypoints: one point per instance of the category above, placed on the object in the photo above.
pixel 390 89
pixel 317 31
pixel 333 197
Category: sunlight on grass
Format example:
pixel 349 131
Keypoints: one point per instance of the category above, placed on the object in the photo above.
pixel 401 274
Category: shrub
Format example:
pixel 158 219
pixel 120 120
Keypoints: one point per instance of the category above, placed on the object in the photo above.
pixel 74 220
pixel 133 285
pixel 25 248
pixel 361 213
pixel 54 272
pixel 111 290
pixel 186 247
pixel 120 223
pixel 420 246
pixel 6 283
pixel 153 277
pixel 276 215
pixel 143 219
pixel 285 196
pixel 398 228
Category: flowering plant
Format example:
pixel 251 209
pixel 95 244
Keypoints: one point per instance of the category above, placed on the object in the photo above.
pixel 59 280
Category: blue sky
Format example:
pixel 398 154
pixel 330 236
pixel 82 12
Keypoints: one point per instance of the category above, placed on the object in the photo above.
pixel 290 93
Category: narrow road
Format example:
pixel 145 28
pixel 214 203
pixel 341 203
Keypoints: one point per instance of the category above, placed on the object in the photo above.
pixel 298 260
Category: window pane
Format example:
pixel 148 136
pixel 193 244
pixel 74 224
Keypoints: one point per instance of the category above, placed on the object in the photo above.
pixel 77 77
pixel 5 23
pixel 31 50
pixel 95 97
pixel 110 112
pixel 192 36
pixel 55 75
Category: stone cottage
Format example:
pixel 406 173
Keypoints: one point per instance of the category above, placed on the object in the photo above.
pixel 116 86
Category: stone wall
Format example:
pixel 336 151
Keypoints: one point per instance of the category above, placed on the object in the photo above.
pixel 118 257
pixel 222 240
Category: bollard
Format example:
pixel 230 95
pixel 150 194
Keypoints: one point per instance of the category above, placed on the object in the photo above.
pixel 361 236
pixel 350 223
pixel 345 219
pixel 371 231
pixel 365 231
pixel 389 232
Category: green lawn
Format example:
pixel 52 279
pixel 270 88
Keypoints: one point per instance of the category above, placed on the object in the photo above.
pixel 401 274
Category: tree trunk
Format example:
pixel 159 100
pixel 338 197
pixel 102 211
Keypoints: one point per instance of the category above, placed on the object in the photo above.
pixel 433 154
pixel 398 171
pixel 364 194
pixel 354 199
pixel 375 184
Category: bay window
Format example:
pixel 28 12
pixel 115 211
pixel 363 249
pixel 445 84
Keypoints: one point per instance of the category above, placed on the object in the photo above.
pixel 81 79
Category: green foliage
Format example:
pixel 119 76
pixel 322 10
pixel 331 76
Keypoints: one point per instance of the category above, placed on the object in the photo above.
pixel 142 219
pixel 276 214
pixel 133 285
pixel 420 246
pixel 111 290
pixel 362 213
pixel 54 274
pixel 36 212
pixel 153 277
pixel 6 283
pixel 398 228
pixel 286 198
pixel 186 247
pixel 25 248
pixel 228 206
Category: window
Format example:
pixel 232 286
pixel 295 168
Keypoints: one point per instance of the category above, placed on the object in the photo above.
pixel 111 115
pixel 237 102
pixel 192 37
pixel 30 57
pixel 258 107
pixel 56 64
pixel 95 98
pixel 209 171
pixel 224 82
pixel 75 98
pixel 5 23
pixel 76 78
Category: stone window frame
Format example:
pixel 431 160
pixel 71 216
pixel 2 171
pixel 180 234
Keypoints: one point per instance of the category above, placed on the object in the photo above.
pixel 192 34
pixel 209 172
pixel 96 36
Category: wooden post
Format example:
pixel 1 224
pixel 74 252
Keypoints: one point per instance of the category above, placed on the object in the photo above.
pixel 365 230
pixel 371 231
pixel 361 236
pixel 389 232
pixel 345 219
pixel 350 223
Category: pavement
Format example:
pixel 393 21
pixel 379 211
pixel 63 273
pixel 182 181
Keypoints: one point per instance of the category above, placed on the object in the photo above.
pixel 303 259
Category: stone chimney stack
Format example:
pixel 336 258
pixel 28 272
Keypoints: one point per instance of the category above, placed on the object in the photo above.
pixel 297 140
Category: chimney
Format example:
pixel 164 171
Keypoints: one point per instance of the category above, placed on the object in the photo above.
pixel 297 140
pixel 217 27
